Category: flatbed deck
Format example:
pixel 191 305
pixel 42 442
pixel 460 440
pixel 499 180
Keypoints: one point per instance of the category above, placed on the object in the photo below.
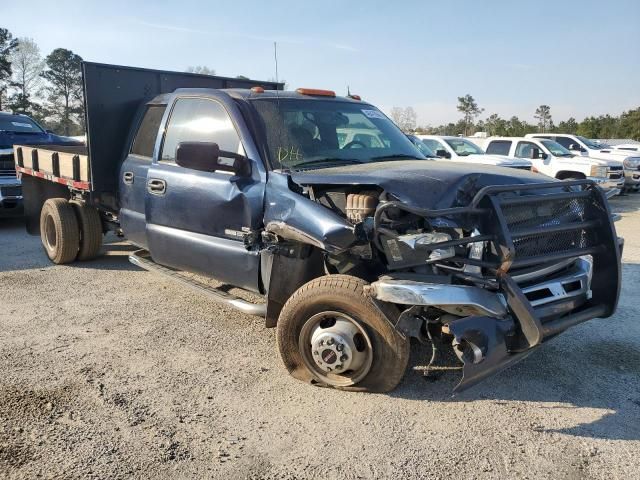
pixel 67 165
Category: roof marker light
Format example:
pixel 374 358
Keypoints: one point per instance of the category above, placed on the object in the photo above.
pixel 316 92
pixel 257 89
pixel 354 97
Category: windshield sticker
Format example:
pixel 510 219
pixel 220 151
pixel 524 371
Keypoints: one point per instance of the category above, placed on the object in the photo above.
pixel 20 124
pixel 289 155
pixel 373 114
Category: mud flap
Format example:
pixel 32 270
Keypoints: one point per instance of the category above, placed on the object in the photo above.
pixel 481 343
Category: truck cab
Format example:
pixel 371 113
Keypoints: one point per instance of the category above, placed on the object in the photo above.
pixel 460 149
pixel 619 162
pixel 552 159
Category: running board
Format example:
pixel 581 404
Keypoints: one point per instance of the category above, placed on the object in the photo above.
pixel 142 259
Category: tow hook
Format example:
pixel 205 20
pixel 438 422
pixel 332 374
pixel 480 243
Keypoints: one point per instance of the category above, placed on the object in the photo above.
pixel 481 344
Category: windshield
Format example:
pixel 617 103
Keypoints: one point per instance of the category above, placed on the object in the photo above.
pixel 464 147
pixel 592 144
pixel 556 149
pixel 316 133
pixel 18 124
pixel 422 146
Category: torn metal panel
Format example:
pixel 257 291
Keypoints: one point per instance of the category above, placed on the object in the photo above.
pixel 481 343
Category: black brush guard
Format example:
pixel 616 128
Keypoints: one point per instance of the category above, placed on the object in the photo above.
pixel 525 226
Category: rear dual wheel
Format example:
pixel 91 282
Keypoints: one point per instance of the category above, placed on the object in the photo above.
pixel 70 231
pixel 331 334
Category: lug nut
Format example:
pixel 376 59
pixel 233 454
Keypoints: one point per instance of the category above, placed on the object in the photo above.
pixel 340 347
pixel 315 352
pixel 339 367
pixel 331 341
pixel 344 358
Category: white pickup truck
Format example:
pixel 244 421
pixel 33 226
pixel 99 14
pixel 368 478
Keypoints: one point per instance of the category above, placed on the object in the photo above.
pixel 552 159
pixel 585 147
pixel 462 150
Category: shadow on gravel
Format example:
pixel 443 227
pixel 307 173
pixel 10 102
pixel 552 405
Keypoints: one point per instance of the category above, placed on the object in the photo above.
pixel 627 203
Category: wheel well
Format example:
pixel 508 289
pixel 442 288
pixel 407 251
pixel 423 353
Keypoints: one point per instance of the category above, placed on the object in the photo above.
pixel 563 175
pixel 291 267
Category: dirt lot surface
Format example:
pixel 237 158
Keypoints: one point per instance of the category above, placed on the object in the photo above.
pixel 108 371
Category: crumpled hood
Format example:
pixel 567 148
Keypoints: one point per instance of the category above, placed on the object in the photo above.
pixel 422 183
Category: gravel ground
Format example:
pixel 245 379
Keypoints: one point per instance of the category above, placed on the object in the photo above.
pixel 109 371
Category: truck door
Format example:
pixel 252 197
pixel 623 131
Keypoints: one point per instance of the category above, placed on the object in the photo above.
pixel 133 176
pixel 195 220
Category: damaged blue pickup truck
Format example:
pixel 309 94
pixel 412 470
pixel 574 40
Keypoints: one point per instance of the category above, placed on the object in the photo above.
pixel 323 207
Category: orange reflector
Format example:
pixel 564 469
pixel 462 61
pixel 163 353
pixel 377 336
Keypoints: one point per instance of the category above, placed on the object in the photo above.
pixel 355 97
pixel 257 89
pixel 535 170
pixel 315 91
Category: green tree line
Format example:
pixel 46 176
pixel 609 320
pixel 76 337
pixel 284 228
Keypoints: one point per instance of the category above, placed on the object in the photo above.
pixel 49 89
pixel 626 125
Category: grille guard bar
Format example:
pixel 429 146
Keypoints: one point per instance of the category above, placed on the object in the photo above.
pixel 486 212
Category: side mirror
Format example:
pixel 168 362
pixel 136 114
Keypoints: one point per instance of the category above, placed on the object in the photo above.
pixel 576 147
pixel 536 154
pixel 207 157
pixel 442 153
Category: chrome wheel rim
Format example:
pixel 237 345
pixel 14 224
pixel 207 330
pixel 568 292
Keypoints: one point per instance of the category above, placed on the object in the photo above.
pixel 336 348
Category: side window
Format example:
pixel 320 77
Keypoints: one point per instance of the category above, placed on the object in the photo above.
pixel 148 131
pixel 199 120
pixel 524 149
pixel 499 147
pixel 565 141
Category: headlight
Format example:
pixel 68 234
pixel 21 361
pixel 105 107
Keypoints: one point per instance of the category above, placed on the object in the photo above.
pixel 632 162
pixel 436 237
pixel 597 171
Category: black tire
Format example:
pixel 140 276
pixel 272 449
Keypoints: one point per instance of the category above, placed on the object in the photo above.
pixel 90 230
pixel 344 294
pixel 59 231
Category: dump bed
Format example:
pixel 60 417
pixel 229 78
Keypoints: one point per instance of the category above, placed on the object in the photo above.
pixel 114 96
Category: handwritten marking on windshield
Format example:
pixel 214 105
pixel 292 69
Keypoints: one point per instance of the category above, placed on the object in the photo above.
pixel 288 155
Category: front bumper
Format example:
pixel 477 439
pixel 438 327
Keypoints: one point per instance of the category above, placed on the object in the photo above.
pixel 551 261
pixel 631 178
pixel 11 200
pixel 490 322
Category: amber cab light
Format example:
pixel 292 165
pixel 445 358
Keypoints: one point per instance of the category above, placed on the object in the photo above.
pixel 355 97
pixel 257 89
pixel 315 91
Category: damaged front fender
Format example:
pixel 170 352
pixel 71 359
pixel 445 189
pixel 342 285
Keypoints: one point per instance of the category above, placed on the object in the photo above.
pixel 295 217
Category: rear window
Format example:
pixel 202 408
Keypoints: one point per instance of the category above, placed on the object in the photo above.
pixel 148 131
pixel 499 147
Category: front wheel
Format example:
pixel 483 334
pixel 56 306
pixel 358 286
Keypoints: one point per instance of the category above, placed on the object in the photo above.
pixel 329 333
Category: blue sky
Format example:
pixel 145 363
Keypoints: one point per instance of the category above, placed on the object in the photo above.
pixel 579 57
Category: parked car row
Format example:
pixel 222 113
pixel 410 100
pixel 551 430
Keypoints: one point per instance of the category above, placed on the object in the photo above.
pixel 554 160
pixel 561 156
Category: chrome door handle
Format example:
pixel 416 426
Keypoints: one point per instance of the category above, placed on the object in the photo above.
pixel 155 186
pixel 127 178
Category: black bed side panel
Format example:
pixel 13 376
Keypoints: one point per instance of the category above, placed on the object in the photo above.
pixel 113 98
